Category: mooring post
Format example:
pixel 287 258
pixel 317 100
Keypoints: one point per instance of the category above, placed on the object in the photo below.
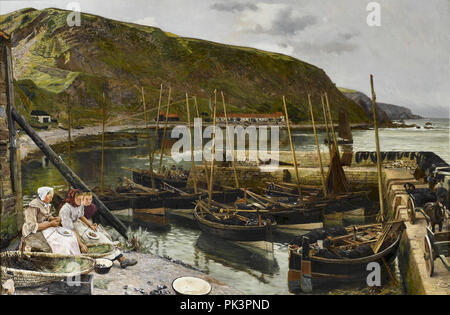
pixel 306 277
pixel 67 173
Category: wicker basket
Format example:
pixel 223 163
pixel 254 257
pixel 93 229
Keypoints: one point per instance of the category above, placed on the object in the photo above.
pixel 27 278
pixel 100 255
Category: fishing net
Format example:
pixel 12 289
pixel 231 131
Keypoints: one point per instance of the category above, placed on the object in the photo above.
pixel 319 234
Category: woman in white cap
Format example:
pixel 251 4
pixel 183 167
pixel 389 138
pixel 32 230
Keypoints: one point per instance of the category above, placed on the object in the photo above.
pixel 40 230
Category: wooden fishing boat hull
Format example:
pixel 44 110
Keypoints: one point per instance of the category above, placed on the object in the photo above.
pixel 235 232
pixel 313 212
pixel 146 180
pixel 328 273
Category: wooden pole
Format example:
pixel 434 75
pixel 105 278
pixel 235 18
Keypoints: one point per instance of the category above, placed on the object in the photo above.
pixel 156 134
pixel 213 151
pixel 67 173
pixel 229 140
pixel 326 124
pixel 201 143
pixel 150 159
pixel 19 201
pixel 294 159
pixel 69 147
pixel 164 132
pixel 194 170
pixel 377 142
pixel 331 122
pixel 11 126
pixel 102 167
pixel 318 148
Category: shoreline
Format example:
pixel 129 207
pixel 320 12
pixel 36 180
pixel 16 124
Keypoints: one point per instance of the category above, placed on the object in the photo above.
pixel 57 135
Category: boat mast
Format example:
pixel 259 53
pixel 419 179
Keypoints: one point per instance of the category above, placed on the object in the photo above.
pixel 213 150
pixel 102 167
pixel 377 142
pixel 229 141
pixel 156 138
pixel 318 148
pixel 194 170
pixel 326 123
pixel 294 159
pixel 201 144
pixel 331 122
pixel 164 132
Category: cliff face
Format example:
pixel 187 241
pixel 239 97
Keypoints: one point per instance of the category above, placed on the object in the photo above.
pixel 396 112
pixel 53 60
pixel 385 112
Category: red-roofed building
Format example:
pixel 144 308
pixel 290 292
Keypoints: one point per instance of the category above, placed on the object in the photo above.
pixel 252 117
pixel 170 117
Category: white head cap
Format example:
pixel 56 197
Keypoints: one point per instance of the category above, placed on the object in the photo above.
pixel 44 191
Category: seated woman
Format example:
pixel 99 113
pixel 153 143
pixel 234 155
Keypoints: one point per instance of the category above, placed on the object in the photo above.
pixel 39 231
pixel 72 217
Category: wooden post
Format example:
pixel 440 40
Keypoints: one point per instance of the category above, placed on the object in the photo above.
pixel 318 148
pixel 229 140
pixel 201 143
pixel 156 129
pixel 294 159
pixel 213 151
pixel 19 201
pixel 69 146
pixel 102 167
pixel 326 124
pixel 331 122
pixel 377 142
pixel 67 173
pixel 11 125
pixel 306 275
pixel 164 132
pixel 194 170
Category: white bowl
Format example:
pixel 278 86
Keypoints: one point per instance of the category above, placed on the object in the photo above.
pixel 191 286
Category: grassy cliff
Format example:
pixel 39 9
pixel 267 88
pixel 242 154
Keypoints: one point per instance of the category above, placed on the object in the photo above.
pixel 53 60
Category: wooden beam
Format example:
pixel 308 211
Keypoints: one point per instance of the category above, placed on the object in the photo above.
pixel 318 148
pixel 11 126
pixel 164 132
pixel 193 168
pixel 156 134
pixel 229 140
pixel 377 142
pixel 326 123
pixel 294 159
pixel 201 144
pixel 102 166
pixel 213 151
pixel 68 174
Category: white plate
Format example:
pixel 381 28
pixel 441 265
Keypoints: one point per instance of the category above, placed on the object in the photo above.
pixel 191 286
pixel 65 232
pixel 96 237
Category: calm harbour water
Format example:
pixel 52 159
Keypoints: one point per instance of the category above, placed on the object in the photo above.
pixel 249 271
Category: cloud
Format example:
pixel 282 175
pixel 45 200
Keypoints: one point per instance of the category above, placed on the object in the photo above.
pixel 287 24
pixel 330 47
pixel 276 20
pixel 234 6
pixel 148 20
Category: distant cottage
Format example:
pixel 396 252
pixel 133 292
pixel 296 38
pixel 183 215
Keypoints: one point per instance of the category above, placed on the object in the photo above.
pixel 41 116
pixel 254 118
pixel 170 117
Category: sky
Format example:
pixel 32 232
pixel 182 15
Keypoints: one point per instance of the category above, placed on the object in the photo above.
pixel 408 51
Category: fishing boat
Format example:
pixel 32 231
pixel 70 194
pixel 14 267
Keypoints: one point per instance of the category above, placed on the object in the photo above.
pixel 338 257
pixel 144 177
pixel 290 210
pixel 232 224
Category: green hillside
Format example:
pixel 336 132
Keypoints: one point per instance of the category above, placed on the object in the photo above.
pixel 52 60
